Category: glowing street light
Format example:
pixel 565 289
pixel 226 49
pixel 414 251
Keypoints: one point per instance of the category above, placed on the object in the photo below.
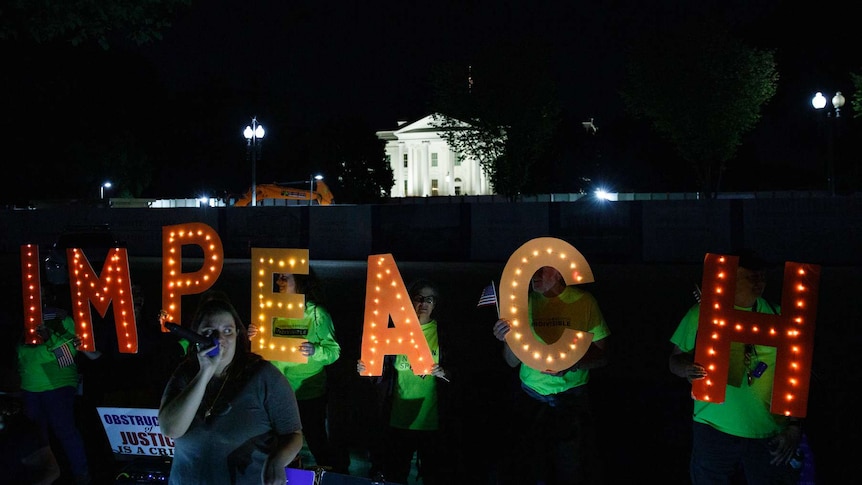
pixel 311 187
pixel 819 103
pixel 106 185
pixel 253 134
pixel 603 194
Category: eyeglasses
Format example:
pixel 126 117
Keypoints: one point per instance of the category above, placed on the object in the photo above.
pixel 750 359
pixel 424 299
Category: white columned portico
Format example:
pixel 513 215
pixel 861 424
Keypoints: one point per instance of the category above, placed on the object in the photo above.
pixel 419 140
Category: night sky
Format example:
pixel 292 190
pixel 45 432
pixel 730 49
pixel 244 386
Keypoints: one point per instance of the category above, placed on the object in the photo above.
pixel 310 70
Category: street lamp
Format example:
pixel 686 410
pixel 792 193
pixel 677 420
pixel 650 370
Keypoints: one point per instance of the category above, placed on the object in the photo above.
pixel 311 186
pixel 106 185
pixel 253 134
pixel 819 103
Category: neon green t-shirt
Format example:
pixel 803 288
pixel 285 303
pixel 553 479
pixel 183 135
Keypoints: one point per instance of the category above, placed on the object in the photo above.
pixel 574 309
pixel 308 379
pixel 38 364
pixel 745 410
pixel 414 402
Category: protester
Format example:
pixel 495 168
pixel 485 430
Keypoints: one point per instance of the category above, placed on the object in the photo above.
pixel 232 415
pixel 308 379
pixel 741 431
pixel 412 407
pixel 49 379
pixel 554 437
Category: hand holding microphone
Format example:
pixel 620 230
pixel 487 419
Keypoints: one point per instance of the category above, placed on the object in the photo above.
pixel 193 337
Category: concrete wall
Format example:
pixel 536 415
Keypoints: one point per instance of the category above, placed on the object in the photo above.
pixel 818 230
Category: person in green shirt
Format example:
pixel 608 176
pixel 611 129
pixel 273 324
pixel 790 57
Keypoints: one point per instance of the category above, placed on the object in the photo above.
pixel 49 387
pixel 554 435
pixel 741 431
pixel 411 406
pixel 308 379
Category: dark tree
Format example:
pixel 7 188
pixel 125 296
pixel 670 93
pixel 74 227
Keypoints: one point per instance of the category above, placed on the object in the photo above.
pixel 856 101
pixel 349 150
pixel 80 21
pixel 504 112
pixel 703 89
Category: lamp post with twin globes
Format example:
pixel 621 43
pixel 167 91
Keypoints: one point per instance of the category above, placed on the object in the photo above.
pixel 819 103
pixel 254 136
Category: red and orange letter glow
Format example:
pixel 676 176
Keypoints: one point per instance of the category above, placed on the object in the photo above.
pixel 31 285
pixel 791 333
pixel 514 297
pixel 385 297
pixel 175 283
pixel 265 262
pixel 113 285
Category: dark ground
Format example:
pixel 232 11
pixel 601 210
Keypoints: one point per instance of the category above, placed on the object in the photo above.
pixel 643 411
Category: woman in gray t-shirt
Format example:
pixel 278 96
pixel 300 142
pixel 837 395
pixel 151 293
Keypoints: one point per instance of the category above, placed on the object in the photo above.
pixel 232 415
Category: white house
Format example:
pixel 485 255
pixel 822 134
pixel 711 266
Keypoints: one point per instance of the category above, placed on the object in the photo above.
pixel 424 165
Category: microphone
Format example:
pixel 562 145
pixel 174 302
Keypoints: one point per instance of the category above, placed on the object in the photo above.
pixel 194 337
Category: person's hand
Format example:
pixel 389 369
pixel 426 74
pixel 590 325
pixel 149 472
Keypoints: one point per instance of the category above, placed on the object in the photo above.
pixel 438 371
pixel 206 361
pixel 360 367
pixel 501 328
pixel 306 349
pixel 784 444
pixel 273 474
pixel 695 371
pixel 44 332
pixel 252 330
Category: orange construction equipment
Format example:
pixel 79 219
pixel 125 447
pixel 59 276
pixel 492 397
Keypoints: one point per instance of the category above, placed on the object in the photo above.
pixel 277 191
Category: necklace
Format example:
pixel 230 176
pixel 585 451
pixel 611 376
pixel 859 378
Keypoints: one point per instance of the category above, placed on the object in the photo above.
pixel 209 410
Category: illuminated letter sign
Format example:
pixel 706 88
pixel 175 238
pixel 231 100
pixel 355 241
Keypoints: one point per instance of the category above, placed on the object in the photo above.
pixel 385 297
pixel 514 297
pixel 267 304
pixel 113 285
pixel 31 284
pixel 791 333
pixel 175 283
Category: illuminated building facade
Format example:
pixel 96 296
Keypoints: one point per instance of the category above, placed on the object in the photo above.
pixel 424 165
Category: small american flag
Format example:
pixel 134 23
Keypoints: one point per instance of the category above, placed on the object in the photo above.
pixel 489 296
pixel 64 355
pixel 50 313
